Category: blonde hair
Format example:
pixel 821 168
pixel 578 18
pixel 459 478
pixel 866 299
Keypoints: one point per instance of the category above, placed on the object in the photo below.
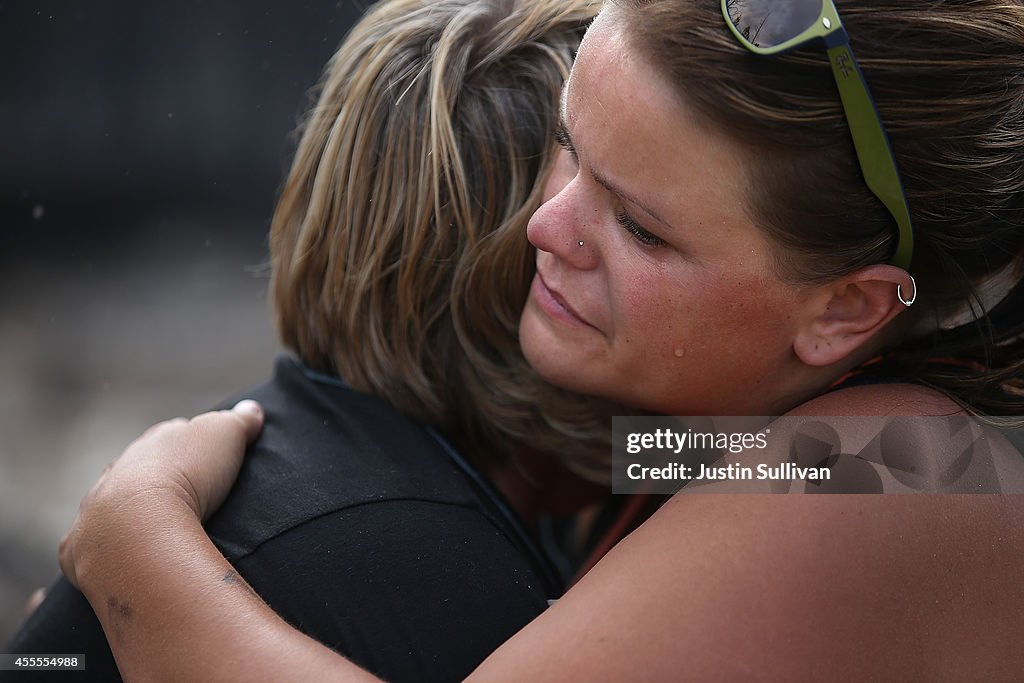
pixel 398 245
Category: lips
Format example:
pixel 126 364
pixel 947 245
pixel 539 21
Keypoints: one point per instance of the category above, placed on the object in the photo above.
pixel 554 304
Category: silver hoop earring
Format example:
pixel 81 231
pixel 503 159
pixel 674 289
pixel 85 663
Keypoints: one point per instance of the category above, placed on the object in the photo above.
pixel 913 297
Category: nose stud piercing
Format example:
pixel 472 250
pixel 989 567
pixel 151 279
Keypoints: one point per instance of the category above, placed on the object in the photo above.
pixel 581 243
pixel 913 297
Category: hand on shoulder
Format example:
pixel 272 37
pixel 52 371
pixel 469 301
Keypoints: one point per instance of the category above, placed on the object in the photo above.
pixel 184 465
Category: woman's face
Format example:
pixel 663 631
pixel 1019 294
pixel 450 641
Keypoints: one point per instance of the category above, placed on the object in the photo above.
pixel 653 286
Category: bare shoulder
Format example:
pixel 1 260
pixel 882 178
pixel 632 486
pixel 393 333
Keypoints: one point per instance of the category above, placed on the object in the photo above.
pixel 912 438
pixel 884 583
pixel 718 587
pixel 881 399
pixel 799 587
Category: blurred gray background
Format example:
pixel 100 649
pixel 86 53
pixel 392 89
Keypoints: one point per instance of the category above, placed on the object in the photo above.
pixel 141 147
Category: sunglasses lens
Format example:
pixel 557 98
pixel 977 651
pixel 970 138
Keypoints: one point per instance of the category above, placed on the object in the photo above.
pixel 767 23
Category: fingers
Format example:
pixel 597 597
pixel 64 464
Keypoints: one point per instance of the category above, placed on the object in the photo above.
pixel 160 426
pixel 220 433
pixel 243 422
pixel 247 412
pixel 192 461
pixel 65 555
pixel 34 601
pixel 203 456
pixel 251 414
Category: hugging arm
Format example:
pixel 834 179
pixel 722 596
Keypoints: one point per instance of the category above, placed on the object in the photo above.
pixel 186 614
pixel 711 587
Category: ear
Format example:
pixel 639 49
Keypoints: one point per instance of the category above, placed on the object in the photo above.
pixel 851 312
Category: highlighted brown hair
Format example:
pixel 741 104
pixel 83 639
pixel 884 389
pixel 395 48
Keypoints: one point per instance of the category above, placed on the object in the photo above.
pixel 398 246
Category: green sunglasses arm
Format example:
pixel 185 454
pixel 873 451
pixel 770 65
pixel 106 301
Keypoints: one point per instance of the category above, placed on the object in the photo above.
pixel 873 150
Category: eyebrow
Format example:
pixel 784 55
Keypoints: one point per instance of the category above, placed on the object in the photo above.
pixel 601 180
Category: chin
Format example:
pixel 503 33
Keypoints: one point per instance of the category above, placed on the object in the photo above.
pixel 561 362
pixel 548 355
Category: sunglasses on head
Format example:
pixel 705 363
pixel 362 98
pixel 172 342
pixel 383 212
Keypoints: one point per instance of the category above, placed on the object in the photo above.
pixel 770 27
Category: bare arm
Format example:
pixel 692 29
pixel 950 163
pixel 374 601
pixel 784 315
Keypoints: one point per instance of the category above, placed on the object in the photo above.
pixel 712 587
pixel 171 606
pixel 742 587
pixel 187 615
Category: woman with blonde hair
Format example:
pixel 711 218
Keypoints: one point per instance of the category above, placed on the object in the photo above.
pixel 409 447
pixel 759 224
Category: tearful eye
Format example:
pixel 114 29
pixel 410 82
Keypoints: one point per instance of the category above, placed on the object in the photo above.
pixel 638 233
